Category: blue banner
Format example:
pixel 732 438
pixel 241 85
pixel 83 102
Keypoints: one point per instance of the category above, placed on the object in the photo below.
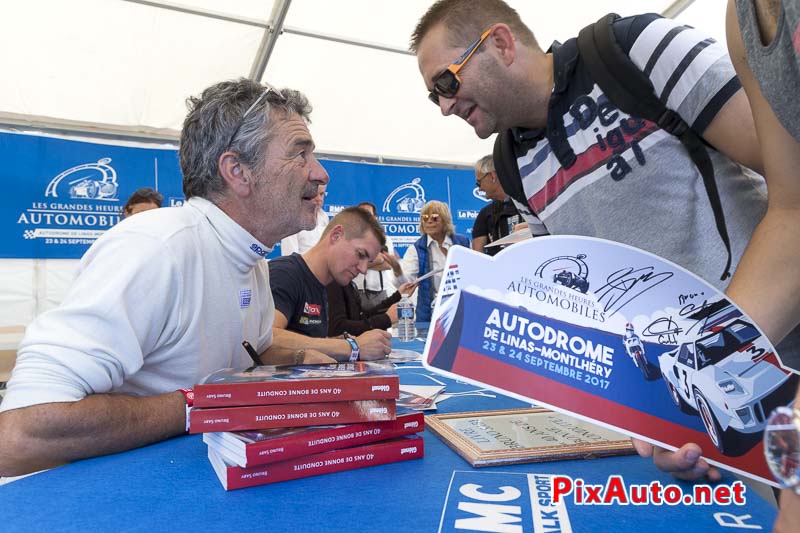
pixel 63 194
pixel 399 193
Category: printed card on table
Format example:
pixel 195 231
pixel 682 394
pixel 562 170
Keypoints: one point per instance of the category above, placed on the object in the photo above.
pixel 614 335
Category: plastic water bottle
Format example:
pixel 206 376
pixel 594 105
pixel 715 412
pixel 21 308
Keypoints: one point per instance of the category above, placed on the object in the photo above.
pixel 406 327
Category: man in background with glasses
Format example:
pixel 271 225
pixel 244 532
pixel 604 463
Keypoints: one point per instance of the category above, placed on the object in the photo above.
pixel 629 181
pixel 168 297
pixel 499 217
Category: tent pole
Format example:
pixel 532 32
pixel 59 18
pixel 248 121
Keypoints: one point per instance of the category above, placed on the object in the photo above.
pixel 180 8
pixel 271 34
pixel 676 8
pixel 346 40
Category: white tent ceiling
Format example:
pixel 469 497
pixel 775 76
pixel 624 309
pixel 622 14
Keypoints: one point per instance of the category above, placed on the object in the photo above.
pixel 126 67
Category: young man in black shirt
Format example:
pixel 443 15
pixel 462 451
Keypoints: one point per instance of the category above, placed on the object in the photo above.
pixel 352 239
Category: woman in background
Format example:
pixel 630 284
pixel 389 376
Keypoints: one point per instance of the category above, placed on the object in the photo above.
pixel 429 253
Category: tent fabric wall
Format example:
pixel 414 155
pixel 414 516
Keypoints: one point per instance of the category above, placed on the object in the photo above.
pixel 128 67
pixel 70 190
pixel 32 286
pixel 127 64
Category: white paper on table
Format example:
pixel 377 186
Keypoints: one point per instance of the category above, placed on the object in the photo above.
pixel 419 397
pixel 429 274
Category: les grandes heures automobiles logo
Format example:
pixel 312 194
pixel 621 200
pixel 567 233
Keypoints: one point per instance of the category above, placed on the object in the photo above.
pixel 79 204
pixel 400 212
pixel 94 181
pixel 407 198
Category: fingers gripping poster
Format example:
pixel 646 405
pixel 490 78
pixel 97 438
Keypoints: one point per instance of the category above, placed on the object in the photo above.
pixel 615 335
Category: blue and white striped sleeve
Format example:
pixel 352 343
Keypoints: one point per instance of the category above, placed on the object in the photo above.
pixel 691 72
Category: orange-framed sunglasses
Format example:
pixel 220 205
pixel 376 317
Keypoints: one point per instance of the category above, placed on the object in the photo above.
pixel 447 83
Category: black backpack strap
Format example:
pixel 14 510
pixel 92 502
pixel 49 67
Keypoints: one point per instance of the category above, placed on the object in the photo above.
pixel 632 92
pixel 505 165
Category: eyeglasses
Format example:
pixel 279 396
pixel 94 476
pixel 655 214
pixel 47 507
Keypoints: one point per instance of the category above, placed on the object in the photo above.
pixel 479 180
pixel 447 83
pixel 433 217
pixel 261 97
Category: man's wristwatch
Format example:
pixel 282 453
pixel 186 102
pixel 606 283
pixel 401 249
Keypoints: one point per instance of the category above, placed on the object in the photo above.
pixel 354 352
pixel 782 446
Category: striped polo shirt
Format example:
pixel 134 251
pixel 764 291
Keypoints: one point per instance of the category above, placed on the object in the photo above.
pixel 633 182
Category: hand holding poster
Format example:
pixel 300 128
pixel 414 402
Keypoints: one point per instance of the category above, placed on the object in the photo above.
pixel 614 335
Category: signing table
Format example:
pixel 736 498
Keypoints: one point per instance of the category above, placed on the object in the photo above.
pixel 171 486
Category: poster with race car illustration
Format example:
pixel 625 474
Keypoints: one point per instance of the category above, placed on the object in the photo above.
pixel 614 335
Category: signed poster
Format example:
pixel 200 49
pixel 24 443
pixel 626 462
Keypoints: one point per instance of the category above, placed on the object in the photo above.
pixel 614 335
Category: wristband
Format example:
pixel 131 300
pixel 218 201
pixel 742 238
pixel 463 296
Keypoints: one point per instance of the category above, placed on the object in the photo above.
pixel 188 395
pixel 354 351
pixel 299 356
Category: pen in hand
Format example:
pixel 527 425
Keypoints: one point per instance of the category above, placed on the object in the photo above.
pixel 252 352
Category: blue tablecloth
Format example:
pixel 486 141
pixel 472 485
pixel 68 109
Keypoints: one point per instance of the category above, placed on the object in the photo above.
pixel 171 486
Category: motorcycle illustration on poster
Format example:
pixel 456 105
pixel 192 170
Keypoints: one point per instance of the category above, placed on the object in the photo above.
pixel 613 335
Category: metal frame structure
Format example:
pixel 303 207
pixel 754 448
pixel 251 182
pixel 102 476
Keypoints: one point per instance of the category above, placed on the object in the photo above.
pixel 273 28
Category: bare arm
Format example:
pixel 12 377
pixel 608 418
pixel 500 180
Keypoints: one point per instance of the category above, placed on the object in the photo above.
pixel 393 262
pixel 47 435
pixel 732 132
pixel 379 264
pixel 285 345
pixel 373 344
pixel 772 302
pixel 769 299
pixel 479 243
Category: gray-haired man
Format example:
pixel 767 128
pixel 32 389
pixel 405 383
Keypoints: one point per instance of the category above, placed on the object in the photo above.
pixel 168 296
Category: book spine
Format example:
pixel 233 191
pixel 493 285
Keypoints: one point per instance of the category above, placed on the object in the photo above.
pixel 325 463
pixel 332 439
pixel 316 441
pixel 297 391
pixel 289 415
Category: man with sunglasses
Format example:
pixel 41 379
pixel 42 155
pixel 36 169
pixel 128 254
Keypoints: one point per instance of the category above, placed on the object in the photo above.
pixel 162 300
pixel 628 180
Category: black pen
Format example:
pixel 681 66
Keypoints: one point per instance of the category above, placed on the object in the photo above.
pixel 252 352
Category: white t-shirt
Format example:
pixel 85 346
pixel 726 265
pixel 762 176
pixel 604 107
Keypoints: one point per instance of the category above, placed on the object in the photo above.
pixel 410 262
pixel 378 280
pixel 160 301
pixel 305 240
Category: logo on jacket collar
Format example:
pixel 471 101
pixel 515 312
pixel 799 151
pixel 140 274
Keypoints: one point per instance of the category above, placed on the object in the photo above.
pixel 259 250
pixel 312 309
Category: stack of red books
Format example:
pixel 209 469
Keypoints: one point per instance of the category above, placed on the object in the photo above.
pixel 273 423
